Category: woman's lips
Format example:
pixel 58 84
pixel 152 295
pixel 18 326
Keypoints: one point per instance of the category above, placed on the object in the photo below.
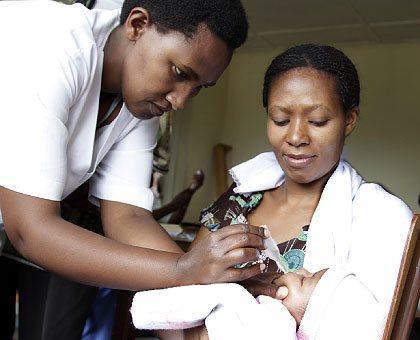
pixel 157 110
pixel 299 161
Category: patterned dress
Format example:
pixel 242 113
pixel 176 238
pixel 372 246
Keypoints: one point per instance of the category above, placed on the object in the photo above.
pixel 231 208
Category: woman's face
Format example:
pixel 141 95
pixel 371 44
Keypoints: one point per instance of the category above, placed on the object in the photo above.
pixel 163 71
pixel 306 125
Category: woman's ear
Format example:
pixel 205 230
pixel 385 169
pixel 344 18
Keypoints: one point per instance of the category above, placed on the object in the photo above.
pixel 137 22
pixel 352 116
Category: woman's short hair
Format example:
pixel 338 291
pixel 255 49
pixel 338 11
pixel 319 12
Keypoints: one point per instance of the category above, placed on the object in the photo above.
pixel 322 58
pixel 225 18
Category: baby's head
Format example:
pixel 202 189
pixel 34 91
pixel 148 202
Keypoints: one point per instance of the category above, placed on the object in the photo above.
pixel 301 285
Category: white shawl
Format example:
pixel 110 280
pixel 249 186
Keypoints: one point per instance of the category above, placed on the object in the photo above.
pixel 358 230
pixel 228 310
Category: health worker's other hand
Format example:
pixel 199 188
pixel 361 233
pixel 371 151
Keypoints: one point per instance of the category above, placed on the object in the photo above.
pixel 213 258
pixel 264 284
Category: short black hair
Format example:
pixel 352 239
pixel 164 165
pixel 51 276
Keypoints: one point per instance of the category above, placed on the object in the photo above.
pixel 322 58
pixel 225 18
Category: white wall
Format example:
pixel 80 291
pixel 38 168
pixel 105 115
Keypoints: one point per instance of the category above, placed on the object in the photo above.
pixel 195 131
pixel 384 148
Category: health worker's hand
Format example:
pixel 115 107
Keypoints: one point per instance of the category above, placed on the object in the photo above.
pixel 213 258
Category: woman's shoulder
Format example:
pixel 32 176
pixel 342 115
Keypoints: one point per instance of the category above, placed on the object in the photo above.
pixel 229 208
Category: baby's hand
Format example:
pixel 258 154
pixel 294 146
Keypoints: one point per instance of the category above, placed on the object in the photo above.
pixel 282 292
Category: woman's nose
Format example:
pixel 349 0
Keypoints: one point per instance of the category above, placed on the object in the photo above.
pixel 298 133
pixel 178 97
pixel 176 100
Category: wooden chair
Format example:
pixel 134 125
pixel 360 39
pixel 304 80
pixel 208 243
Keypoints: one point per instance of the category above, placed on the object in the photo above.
pixel 407 291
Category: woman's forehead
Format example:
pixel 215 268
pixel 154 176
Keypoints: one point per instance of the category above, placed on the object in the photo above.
pixel 204 53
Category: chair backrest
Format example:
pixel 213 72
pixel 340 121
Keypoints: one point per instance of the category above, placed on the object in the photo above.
pixel 407 291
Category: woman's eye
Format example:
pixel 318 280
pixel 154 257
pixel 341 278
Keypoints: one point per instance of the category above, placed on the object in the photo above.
pixel 180 73
pixel 319 123
pixel 281 122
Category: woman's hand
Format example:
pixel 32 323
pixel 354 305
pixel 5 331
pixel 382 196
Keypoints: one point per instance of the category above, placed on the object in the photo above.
pixel 213 258
pixel 264 284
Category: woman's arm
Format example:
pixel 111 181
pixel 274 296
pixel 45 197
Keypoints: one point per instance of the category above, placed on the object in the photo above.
pixel 129 224
pixel 36 229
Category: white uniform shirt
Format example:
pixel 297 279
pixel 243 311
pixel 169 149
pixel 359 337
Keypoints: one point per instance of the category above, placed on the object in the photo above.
pixel 50 78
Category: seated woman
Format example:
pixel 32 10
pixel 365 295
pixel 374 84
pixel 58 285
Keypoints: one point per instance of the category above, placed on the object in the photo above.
pixel 319 210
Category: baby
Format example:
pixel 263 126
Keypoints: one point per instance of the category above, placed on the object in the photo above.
pixel 300 286
pixel 281 319
pixel 227 310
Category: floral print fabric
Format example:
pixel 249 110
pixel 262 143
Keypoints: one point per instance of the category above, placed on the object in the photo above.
pixel 231 208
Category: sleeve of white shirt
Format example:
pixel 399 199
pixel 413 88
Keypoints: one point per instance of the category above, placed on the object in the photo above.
pixel 39 81
pixel 125 172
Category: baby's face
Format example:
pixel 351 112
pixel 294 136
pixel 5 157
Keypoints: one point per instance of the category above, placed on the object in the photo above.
pixel 301 285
